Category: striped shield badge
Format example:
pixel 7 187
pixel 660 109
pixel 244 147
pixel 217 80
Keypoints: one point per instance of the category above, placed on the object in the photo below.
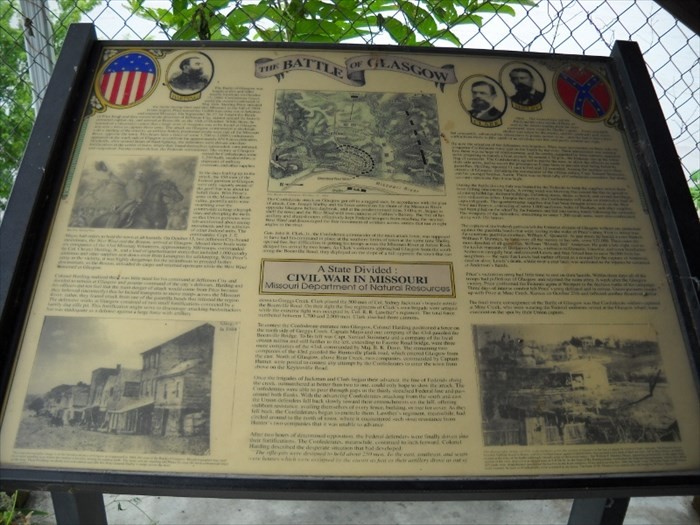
pixel 127 79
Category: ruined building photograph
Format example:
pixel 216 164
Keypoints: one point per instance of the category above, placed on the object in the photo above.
pixel 571 384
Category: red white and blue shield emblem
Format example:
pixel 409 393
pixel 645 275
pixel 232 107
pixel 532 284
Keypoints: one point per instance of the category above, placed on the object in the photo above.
pixel 584 93
pixel 127 79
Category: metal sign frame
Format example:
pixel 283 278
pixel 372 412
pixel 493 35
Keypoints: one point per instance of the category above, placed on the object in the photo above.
pixel 28 218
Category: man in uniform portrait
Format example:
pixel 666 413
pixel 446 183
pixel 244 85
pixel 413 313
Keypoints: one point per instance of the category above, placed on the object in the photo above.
pixel 483 97
pixel 191 76
pixel 525 93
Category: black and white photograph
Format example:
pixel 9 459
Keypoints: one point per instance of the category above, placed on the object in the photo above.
pixel 572 384
pixel 356 143
pixel 190 73
pixel 524 85
pixel 135 192
pixel 120 385
pixel 483 99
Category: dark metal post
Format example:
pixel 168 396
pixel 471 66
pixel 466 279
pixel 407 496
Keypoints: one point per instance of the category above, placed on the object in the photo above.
pixel 82 508
pixel 677 219
pixel 598 511
pixel 25 222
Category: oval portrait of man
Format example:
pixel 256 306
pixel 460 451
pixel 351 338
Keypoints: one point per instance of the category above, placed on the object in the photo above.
pixel 525 86
pixel 190 73
pixel 483 99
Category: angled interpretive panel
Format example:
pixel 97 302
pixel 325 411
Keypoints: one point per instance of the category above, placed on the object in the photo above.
pixel 354 264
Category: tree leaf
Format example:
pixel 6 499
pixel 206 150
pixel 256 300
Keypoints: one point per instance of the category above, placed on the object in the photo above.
pixel 179 5
pixel 237 17
pixel 448 35
pixel 347 6
pixel 376 6
pixel 695 195
pixel 470 19
pixel 419 18
pixel 468 5
pixel 237 32
pixel 217 22
pixel 318 9
pixel 215 5
pixel 444 11
pixel 271 35
pixel 295 10
pixel 135 5
pixel 315 37
pixel 399 32
pixel 532 3
pixel 254 12
pixel 186 32
pixel 270 12
pixel 491 7
pixel 354 32
pixel 308 27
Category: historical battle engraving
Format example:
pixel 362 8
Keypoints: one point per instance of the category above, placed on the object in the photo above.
pixel 151 193
pixel 566 385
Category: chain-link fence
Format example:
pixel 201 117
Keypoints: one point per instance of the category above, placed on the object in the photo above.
pixel 32 30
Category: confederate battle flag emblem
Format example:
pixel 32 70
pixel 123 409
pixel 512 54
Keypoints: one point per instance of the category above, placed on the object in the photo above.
pixel 584 93
pixel 127 79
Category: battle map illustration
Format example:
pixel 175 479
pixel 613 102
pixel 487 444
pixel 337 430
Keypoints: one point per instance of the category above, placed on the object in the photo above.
pixel 355 143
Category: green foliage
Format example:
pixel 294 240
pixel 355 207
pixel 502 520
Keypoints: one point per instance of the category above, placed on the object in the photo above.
pixel 68 12
pixel 415 22
pixel 695 189
pixel 16 110
pixel 10 514
pixel 16 113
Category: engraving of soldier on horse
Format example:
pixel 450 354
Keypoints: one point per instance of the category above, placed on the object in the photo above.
pixel 140 193
pixel 149 212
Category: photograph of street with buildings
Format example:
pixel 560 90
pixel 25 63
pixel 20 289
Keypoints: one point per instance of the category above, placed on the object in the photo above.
pixel 572 384
pixel 120 386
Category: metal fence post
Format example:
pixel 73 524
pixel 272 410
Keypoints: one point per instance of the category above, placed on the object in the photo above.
pixel 38 37
pixel 80 508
